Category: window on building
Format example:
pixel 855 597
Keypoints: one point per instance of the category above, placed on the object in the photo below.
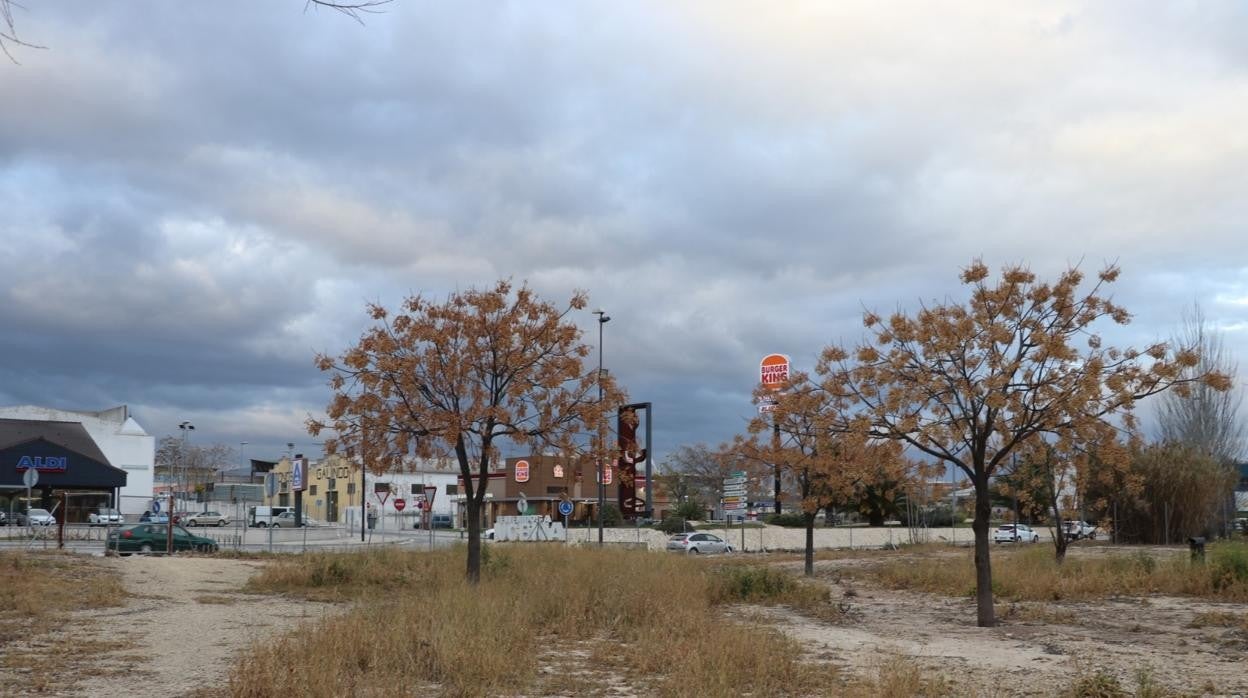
pixel 283 500
pixel 452 489
pixel 350 488
pixel 417 489
pixel 333 485
pixel 312 491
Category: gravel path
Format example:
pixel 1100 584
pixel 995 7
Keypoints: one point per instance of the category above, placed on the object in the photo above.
pixel 185 626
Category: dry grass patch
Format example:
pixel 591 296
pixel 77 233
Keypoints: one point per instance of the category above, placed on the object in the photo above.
pixel 1032 574
pixel 217 600
pixel 38 586
pixel 652 620
pixel 54 663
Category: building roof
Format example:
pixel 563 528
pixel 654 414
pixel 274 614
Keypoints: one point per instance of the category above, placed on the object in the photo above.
pixel 70 435
pixel 25 443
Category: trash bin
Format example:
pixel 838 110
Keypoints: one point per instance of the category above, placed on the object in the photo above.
pixel 372 521
pixel 1197 545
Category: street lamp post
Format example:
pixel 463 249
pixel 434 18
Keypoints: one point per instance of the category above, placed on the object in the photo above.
pixel 242 453
pixel 186 428
pixel 603 319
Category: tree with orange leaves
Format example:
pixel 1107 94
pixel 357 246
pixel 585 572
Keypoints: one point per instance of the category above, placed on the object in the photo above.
pixel 970 384
pixel 827 465
pixel 456 378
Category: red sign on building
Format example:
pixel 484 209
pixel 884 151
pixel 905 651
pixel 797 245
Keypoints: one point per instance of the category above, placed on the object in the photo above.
pixel 522 471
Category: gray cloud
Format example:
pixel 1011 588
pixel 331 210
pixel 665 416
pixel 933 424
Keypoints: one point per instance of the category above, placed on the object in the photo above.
pixel 198 198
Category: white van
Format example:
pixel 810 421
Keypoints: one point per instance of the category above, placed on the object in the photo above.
pixel 260 516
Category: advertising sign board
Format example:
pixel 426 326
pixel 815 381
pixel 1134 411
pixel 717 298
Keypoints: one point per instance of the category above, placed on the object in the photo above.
pixel 773 371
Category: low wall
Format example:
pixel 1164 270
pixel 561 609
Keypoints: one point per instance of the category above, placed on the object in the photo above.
pixel 773 538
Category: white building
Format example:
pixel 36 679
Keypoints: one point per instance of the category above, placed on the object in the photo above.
pixel 119 437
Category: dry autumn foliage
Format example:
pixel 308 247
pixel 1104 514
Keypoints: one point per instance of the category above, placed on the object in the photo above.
pixel 452 379
pixel 971 383
pixel 827 466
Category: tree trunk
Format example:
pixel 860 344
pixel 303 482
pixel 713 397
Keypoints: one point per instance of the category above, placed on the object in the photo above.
pixel 985 615
pixel 810 543
pixel 474 540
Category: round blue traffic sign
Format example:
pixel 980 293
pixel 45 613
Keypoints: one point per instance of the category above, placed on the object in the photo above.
pixel 565 508
pixel 155 506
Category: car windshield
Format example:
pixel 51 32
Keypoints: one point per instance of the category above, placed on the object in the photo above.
pixel 39 512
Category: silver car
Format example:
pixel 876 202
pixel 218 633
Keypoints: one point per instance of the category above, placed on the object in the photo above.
pixel 36 517
pixel 206 518
pixel 697 543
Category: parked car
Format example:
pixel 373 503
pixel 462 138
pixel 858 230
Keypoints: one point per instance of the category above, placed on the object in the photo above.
pixel 1015 533
pixel 149 517
pixel 259 516
pixel 488 534
pixel 441 520
pixel 105 516
pixel 206 518
pixel 1074 530
pixel 286 519
pixel 36 517
pixel 152 537
pixel 697 543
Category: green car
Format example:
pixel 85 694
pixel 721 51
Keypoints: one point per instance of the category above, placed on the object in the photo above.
pixel 151 538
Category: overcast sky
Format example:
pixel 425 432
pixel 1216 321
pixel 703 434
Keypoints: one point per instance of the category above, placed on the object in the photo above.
pixel 195 197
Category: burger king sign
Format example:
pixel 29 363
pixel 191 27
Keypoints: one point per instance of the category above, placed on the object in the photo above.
pixel 773 371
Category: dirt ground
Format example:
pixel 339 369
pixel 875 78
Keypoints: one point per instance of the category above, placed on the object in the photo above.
pixel 1037 649
pixel 184 627
pixel 178 635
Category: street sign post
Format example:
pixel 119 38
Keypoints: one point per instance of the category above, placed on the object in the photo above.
pixel 400 504
pixel 565 508
pixel 270 485
pixel 522 504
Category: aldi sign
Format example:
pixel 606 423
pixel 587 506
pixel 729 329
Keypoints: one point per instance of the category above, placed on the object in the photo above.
pixel 44 464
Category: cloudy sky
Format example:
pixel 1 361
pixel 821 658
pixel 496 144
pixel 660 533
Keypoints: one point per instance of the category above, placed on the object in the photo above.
pixel 196 197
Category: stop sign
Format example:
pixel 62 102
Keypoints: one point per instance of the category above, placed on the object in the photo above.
pixel 399 504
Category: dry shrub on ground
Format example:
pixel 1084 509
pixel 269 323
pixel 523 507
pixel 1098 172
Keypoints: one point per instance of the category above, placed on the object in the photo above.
pixel 650 618
pixel 1031 574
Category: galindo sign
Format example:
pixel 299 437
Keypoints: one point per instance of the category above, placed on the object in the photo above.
pixel 773 371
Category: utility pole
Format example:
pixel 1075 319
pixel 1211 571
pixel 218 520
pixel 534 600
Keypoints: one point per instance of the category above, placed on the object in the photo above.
pixel 603 319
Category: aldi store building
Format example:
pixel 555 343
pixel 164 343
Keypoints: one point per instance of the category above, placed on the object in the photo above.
pixel 83 461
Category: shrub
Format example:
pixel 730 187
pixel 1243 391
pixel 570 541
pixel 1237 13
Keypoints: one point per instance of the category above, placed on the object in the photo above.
pixel 611 515
pixel 1228 566
pixel 755 583
pixel 690 510
pixel 672 524
pixel 791 519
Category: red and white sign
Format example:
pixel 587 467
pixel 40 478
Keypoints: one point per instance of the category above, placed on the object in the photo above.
pixel 773 371
pixel 522 471
pixel 606 474
pixel 399 504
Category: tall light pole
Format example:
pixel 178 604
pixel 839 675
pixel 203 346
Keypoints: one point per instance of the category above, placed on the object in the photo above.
pixel 603 319
pixel 186 428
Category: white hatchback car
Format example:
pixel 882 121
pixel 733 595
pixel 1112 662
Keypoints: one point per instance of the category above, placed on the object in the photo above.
pixel 1015 533
pixel 698 543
